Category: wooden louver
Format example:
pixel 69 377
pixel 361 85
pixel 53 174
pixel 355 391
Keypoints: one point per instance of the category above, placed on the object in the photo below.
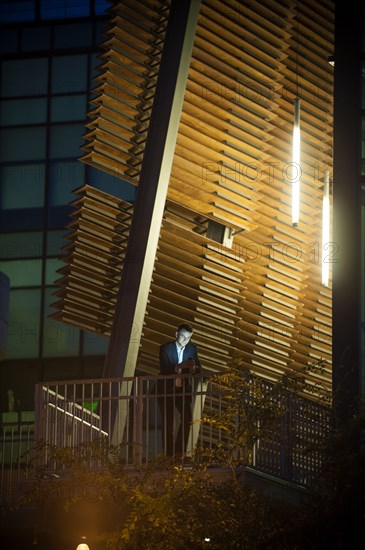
pixel 261 298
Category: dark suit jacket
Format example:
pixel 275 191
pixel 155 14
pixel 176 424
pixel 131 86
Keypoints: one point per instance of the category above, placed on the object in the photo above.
pixel 169 359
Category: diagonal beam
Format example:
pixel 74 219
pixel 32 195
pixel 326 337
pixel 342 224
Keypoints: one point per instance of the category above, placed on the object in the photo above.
pixel 151 193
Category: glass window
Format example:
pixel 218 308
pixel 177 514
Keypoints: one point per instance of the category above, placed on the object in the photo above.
pixel 55 241
pixel 58 217
pixel 95 65
pixel 38 38
pixel 100 29
pixel 17 11
pixel 68 107
pixel 59 9
pixel 23 272
pixel 21 144
pixel 95 344
pixel 24 77
pixel 52 266
pixel 9 40
pixel 24 111
pixel 59 340
pixel 101 6
pixel 23 327
pixel 22 219
pixel 20 245
pixel 66 140
pixel 63 179
pixel 22 186
pixel 111 184
pixel 73 36
pixel 69 74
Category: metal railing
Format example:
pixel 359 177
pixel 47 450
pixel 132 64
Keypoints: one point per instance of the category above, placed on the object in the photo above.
pixel 132 413
pixel 145 417
pixel 16 447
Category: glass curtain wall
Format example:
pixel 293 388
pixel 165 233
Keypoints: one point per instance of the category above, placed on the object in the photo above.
pixel 49 56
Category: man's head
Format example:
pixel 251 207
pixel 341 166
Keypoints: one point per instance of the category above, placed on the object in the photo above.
pixel 183 334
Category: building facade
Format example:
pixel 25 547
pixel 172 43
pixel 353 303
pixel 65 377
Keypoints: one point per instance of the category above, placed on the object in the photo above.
pixel 49 56
pixel 81 94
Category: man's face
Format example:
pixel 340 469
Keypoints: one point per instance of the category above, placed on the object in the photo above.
pixel 183 337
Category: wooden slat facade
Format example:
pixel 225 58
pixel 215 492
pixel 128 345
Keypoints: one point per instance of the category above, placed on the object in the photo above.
pixel 259 300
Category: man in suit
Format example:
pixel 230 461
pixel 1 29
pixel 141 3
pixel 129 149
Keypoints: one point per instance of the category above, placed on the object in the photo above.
pixel 180 356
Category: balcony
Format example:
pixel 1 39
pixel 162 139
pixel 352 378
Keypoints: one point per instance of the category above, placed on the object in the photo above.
pixel 250 425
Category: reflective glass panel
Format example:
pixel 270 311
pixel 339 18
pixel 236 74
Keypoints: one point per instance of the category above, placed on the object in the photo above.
pixel 111 184
pixel 20 245
pixel 59 9
pixel 17 11
pixel 95 344
pixel 68 107
pixel 22 186
pixel 101 6
pixel 22 144
pixel 9 40
pixel 73 36
pixel 23 272
pixel 59 340
pixel 24 77
pixel 52 266
pixel 34 39
pixel 69 74
pixel 64 178
pixel 16 112
pixel 55 241
pixel 66 140
pixel 24 324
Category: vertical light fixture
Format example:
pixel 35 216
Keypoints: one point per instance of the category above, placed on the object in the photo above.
pixel 296 171
pixel 326 214
pixel 325 228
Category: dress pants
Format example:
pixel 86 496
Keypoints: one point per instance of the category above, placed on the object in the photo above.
pixel 176 415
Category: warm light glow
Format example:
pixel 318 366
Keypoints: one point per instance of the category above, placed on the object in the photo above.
pixel 296 171
pixel 325 230
pixel 83 545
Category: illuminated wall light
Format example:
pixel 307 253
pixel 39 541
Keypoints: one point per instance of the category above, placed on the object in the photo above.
pixel 83 545
pixel 296 172
pixel 325 229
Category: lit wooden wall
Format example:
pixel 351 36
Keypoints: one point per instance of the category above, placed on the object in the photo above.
pixel 257 299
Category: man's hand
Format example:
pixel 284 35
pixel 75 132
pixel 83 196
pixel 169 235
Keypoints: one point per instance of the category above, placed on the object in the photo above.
pixel 187 366
pixel 184 368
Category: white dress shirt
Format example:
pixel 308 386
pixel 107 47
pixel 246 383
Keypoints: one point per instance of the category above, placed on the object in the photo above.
pixel 180 353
